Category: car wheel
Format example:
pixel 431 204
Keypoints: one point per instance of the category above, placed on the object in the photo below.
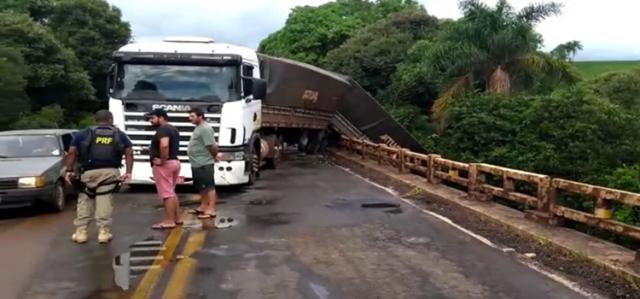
pixel 58 198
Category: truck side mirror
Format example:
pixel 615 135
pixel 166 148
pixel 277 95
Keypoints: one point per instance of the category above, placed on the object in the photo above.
pixel 259 89
pixel 111 78
pixel 255 87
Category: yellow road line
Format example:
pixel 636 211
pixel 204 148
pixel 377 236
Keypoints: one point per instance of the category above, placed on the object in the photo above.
pixel 176 288
pixel 151 277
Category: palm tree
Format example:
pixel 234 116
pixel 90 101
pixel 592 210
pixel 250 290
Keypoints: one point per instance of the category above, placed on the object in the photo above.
pixel 567 51
pixel 493 49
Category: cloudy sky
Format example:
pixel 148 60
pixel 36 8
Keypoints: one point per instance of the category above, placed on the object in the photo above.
pixel 608 29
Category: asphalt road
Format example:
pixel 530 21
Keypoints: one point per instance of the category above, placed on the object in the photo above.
pixel 301 232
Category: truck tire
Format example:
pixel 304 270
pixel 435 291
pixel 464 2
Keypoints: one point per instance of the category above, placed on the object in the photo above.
pixel 254 171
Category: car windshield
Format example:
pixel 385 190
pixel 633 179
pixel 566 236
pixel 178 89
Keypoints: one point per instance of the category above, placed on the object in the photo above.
pixel 182 83
pixel 25 146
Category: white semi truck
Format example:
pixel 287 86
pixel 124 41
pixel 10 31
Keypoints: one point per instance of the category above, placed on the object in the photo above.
pixel 224 80
pixel 178 74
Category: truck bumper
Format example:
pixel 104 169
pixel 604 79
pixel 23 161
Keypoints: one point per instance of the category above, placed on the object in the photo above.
pixel 227 173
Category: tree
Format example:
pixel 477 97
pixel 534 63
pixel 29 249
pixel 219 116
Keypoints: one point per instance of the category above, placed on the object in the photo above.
pixel 571 134
pixel 38 10
pixel 93 29
pixel 371 56
pixel 13 99
pixel 567 51
pixel 48 117
pixel 620 88
pixel 493 49
pixel 54 74
pixel 311 32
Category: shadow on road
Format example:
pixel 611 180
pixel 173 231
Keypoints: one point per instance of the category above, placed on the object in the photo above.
pixel 31 211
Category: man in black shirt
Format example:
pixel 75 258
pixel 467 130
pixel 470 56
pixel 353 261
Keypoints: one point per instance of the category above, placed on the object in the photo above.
pixel 166 166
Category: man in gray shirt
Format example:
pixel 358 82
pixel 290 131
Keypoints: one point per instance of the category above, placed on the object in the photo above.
pixel 202 152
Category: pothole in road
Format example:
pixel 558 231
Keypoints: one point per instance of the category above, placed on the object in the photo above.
pixel 379 205
pixel 270 219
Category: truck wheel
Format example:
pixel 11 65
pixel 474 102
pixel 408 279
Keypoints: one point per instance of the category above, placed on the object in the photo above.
pixel 58 198
pixel 254 172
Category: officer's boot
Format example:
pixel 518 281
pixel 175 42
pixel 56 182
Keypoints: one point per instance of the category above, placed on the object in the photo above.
pixel 80 236
pixel 104 235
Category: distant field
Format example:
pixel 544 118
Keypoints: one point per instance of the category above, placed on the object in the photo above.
pixel 590 69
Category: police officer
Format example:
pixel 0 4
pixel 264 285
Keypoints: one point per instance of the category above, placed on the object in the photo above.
pixel 99 151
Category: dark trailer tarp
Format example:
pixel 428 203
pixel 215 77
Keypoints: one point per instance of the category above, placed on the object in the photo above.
pixel 299 85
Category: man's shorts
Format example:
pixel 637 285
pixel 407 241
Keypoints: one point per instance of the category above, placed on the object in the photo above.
pixel 203 179
pixel 166 178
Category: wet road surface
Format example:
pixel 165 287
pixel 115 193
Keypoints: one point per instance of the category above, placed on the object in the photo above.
pixel 301 232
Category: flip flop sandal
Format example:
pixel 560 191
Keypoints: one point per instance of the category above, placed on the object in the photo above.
pixel 162 226
pixel 179 222
pixel 206 216
pixel 196 211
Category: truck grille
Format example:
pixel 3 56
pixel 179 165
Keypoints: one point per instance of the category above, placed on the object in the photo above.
pixel 141 132
pixel 7 184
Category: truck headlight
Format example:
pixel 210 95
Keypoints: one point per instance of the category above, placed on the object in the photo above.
pixel 31 182
pixel 231 156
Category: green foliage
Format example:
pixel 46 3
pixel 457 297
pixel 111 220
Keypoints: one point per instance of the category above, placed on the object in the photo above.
pixel 46 118
pixel 592 69
pixel 55 75
pixel 38 10
pixel 62 50
pixel 489 48
pixel 311 32
pixel 371 56
pixel 13 73
pixel 626 178
pixel 86 121
pixel 567 51
pixel 621 88
pixel 416 122
pixel 93 30
pixel 570 134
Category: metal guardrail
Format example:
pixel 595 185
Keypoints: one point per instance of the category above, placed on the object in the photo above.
pixel 540 199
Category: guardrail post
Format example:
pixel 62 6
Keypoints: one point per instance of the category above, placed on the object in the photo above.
pixel 349 143
pixel 401 154
pixel 380 154
pixel 544 194
pixel 603 209
pixel 476 180
pixel 554 220
pixel 363 150
pixel 473 181
pixel 433 167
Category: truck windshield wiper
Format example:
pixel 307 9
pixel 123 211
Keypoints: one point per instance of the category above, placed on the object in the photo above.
pixel 4 157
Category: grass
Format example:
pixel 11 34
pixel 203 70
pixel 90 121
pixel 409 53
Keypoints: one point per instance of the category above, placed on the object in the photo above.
pixel 591 69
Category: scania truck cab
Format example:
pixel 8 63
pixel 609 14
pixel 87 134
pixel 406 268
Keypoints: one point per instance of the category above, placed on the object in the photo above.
pixel 178 74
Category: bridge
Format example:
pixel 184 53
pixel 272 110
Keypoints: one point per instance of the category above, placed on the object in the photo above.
pixel 373 217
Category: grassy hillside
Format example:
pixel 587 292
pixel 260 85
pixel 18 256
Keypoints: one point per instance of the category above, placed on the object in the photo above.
pixel 590 69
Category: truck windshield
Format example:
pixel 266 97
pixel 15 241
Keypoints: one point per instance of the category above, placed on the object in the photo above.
pixel 16 146
pixel 178 83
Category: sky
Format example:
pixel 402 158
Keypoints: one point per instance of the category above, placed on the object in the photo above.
pixel 608 30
